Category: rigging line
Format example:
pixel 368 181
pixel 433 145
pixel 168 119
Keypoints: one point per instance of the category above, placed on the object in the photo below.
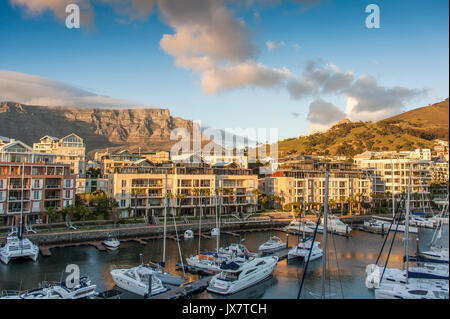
pixel 392 244
pixel 309 255
pixel 389 230
pixel 337 265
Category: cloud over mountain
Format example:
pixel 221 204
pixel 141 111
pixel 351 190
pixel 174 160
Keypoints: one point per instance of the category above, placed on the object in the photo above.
pixel 35 90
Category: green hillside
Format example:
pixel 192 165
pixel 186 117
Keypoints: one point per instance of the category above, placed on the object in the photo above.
pixel 410 130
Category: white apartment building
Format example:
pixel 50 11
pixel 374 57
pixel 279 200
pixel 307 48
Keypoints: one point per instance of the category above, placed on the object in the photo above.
pixel 70 149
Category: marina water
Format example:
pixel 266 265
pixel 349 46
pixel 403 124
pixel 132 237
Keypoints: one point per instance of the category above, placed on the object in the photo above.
pixel 347 259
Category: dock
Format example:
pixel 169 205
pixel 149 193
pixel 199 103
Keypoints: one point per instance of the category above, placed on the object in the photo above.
pixel 230 233
pixel 46 249
pixel 184 290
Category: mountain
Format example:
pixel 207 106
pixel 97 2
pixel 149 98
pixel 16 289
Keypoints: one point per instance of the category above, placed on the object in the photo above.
pixel 147 129
pixel 407 131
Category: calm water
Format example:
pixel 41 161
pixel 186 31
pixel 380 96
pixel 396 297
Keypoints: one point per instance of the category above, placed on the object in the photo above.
pixel 346 262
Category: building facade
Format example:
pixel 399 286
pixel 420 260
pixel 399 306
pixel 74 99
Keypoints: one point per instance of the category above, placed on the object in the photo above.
pixel 70 149
pixel 140 189
pixel 31 182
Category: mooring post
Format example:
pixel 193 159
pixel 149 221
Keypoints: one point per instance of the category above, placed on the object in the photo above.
pixel 346 231
pixel 382 229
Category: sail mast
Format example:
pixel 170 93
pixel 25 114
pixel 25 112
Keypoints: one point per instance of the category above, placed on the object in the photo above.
pixel 165 220
pixel 325 222
pixel 407 221
pixel 393 198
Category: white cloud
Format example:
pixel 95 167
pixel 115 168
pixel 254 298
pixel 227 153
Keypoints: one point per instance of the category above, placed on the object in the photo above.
pixel 35 90
pixel 273 45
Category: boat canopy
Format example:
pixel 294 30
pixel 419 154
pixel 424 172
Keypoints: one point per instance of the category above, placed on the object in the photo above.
pixel 229 266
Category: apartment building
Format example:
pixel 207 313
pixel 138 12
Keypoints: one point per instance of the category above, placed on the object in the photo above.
pixel 89 185
pixel 239 160
pixel 140 188
pixel 391 174
pixel 31 182
pixel 155 157
pixel 70 149
pixel 110 161
pixel 302 179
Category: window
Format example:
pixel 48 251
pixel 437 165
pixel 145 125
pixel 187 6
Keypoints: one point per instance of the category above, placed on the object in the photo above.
pixel 124 183
pixel 1 196
pixel 36 195
pixel 123 203
pixel 1 183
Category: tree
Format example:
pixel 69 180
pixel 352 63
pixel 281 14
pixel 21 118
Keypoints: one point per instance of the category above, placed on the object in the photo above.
pixel 50 214
pixel 69 211
pixel 83 212
pixel 180 198
pixel 196 193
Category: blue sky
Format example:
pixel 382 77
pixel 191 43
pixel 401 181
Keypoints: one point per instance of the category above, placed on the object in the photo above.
pixel 125 60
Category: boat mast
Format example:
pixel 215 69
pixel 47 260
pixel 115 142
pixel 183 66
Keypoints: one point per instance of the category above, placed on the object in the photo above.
pixel 325 222
pixel 393 198
pixel 165 220
pixel 407 221
pixel 21 201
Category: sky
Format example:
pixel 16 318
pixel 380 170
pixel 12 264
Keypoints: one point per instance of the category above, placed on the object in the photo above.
pixel 296 65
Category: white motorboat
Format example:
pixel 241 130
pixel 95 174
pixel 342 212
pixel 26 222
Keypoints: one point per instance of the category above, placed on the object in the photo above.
pixel 236 249
pixel 272 245
pixel 83 290
pixel 215 232
pixel 301 227
pixel 234 277
pixel 429 273
pixel 111 242
pixel 137 279
pixel 418 221
pixel 412 290
pixel 211 262
pixel 188 234
pixel 16 247
pixel 439 255
pixel 383 226
pixel 303 248
pixel 335 225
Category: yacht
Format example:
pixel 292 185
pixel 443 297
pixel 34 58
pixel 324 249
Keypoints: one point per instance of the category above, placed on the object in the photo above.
pixel 111 242
pixel 301 227
pixel 383 226
pixel 234 277
pixel 335 225
pixel 136 280
pixel 84 290
pixel 272 245
pixel 438 255
pixel 16 247
pixel 236 249
pixel 418 221
pixel 303 248
pixel 411 291
pixel 188 234
pixel 215 232
pixel 429 272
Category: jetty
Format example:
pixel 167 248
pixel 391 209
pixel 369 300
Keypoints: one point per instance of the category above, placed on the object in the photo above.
pixel 184 290
pixel 46 250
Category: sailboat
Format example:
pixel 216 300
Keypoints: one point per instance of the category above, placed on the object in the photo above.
pixel 16 246
pixel 397 283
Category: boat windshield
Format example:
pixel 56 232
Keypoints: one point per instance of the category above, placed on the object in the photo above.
pixel 229 276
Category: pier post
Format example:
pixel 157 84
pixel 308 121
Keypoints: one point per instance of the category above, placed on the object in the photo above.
pixel 287 240
pixel 346 231
pixel 382 229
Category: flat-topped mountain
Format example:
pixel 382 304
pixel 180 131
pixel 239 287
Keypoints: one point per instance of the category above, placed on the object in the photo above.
pixel 148 129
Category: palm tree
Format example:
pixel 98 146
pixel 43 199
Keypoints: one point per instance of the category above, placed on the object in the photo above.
pixel 180 198
pixel 196 193
pixel 50 214
pixel 341 201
